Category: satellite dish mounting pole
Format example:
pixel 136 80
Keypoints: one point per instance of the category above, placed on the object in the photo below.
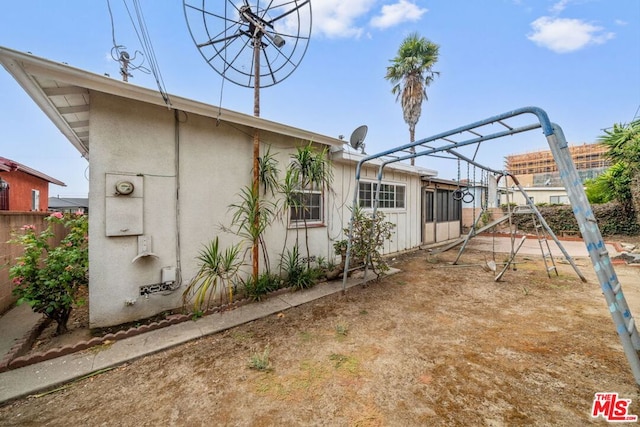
pixel 255 250
pixel 229 35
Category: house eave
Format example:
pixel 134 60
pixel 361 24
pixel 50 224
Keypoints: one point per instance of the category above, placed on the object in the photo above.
pixel 30 71
pixel 344 155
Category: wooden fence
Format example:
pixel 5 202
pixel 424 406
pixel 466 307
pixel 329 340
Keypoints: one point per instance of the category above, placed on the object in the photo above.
pixel 11 222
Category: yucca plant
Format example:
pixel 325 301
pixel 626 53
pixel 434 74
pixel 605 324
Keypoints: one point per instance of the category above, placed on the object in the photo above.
pixel 218 270
pixel 251 217
pixel 312 170
pixel 258 289
pixel 299 275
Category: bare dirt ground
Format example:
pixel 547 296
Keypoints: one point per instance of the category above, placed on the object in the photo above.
pixel 434 345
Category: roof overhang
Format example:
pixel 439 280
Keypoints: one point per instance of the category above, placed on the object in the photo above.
pixel 63 94
pixel 8 165
pixel 345 155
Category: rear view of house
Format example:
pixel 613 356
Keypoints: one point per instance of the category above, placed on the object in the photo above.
pixel 164 178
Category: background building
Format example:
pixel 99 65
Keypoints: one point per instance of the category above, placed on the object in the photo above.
pixel 22 188
pixel 538 173
pixel 538 168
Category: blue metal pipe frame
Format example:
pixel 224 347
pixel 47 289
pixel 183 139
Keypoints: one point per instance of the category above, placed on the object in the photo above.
pixel 611 287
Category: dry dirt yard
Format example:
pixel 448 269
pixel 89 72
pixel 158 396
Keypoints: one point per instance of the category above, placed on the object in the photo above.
pixel 434 345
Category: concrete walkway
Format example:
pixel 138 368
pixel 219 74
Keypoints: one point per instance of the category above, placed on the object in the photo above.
pixel 14 325
pixel 47 375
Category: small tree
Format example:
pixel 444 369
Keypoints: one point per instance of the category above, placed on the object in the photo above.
pixel 312 170
pixel 48 278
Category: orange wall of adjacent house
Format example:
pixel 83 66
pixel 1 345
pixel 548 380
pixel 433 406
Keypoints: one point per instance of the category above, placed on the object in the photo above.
pixel 20 186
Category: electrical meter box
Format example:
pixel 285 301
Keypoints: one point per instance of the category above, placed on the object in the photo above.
pixel 124 204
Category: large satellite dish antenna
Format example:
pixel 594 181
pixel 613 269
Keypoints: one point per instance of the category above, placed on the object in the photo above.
pixel 357 138
pixel 250 43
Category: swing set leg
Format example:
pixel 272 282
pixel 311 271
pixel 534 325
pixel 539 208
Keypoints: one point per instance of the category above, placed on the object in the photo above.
pixel 511 258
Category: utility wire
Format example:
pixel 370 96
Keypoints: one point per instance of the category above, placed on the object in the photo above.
pixel 145 41
pixel 120 55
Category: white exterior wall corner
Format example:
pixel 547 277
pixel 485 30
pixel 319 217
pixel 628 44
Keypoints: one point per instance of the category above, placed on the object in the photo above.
pixel 137 138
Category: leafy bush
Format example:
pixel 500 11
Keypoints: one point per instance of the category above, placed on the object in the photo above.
pixel 48 278
pixel 298 274
pixel 256 289
pixel 613 219
pixel 367 239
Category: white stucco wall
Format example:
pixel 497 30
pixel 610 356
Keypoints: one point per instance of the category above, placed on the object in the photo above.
pixel 210 162
pixel 138 139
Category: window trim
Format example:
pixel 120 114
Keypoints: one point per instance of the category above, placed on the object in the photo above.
pixel 385 186
pixel 312 222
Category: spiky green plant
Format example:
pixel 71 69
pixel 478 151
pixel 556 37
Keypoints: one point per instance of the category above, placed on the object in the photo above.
pixel 313 172
pixel 251 217
pixel 217 271
pixel 298 274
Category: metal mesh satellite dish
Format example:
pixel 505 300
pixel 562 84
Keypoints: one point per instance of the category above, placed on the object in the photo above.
pixel 251 43
pixel 357 138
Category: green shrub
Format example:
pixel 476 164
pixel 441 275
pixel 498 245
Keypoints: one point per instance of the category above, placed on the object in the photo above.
pixel 48 278
pixel 256 289
pixel 298 274
pixel 367 239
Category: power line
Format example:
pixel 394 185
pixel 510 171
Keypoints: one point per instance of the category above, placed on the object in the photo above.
pixel 120 55
pixel 145 41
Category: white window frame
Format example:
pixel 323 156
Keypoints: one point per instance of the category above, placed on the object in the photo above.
pixel 388 195
pixel 35 200
pixel 296 219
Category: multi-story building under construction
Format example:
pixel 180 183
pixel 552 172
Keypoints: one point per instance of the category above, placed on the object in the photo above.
pixel 539 169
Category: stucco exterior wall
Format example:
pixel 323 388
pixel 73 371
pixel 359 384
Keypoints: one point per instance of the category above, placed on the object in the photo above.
pixel 187 173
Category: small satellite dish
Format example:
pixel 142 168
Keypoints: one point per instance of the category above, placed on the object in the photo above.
pixel 357 138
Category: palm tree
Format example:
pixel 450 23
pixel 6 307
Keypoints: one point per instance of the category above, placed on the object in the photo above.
pixel 623 142
pixel 411 72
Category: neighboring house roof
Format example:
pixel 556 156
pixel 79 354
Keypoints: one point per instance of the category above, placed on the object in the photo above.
pixel 8 165
pixel 68 203
pixel 62 92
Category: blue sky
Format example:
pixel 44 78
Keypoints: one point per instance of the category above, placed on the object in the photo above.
pixel 579 60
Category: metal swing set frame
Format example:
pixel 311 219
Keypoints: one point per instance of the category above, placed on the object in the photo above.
pixel 591 235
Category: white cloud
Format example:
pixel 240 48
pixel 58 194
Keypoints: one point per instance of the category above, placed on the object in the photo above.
pixel 563 35
pixel 348 18
pixel 394 14
pixel 559 6
pixel 339 18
